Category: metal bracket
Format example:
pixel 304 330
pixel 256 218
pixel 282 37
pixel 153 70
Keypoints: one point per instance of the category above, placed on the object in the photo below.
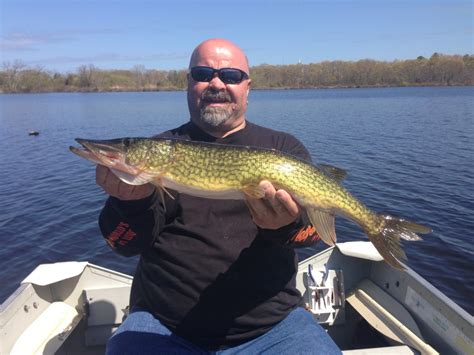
pixel 326 296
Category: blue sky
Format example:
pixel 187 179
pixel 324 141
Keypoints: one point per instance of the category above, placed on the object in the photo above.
pixel 63 35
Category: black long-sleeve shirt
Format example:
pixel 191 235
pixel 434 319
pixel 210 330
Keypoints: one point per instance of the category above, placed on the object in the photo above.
pixel 206 270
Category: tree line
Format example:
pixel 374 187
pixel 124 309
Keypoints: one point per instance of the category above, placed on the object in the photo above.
pixel 445 70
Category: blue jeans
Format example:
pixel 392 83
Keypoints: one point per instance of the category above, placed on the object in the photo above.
pixel 298 333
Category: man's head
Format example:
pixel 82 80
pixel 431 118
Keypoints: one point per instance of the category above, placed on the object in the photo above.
pixel 217 100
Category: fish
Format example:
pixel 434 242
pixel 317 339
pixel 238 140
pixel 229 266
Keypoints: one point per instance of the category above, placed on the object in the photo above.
pixel 219 171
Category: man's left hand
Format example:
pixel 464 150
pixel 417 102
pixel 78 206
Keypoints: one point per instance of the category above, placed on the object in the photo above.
pixel 275 209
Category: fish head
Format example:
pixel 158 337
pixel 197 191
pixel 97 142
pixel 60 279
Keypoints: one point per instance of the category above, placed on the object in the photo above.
pixel 129 155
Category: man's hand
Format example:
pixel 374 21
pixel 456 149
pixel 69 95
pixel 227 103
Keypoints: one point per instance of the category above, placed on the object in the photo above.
pixel 275 210
pixel 115 187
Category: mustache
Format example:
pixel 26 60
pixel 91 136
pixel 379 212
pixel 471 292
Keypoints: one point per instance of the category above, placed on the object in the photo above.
pixel 210 95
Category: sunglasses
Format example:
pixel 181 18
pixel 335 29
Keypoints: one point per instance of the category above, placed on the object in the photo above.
pixel 227 75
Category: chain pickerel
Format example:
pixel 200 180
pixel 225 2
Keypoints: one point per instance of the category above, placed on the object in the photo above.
pixel 219 171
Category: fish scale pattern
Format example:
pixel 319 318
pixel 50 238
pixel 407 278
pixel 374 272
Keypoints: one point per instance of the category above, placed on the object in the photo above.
pixel 218 167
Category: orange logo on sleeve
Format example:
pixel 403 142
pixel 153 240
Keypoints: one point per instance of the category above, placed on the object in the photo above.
pixel 305 234
pixel 121 235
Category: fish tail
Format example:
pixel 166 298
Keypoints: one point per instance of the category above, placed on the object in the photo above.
pixel 386 238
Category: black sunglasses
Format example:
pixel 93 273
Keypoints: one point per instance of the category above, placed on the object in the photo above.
pixel 227 75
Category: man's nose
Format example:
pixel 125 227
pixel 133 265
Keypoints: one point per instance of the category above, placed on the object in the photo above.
pixel 216 83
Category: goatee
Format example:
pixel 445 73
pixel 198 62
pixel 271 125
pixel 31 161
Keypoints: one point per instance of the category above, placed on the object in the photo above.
pixel 215 116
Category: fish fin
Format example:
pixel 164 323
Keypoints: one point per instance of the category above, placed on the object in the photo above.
pixel 162 197
pixel 157 181
pixel 324 224
pixel 337 174
pixel 131 179
pixel 387 240
pixel 408 229
pixel 253 190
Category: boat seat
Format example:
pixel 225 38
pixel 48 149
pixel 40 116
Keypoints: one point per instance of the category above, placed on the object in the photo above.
pixel 49 331
pixel 387 315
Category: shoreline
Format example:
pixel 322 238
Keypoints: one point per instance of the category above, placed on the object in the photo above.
pixel 97 91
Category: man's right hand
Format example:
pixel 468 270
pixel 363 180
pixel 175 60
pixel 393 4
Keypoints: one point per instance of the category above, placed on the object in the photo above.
pixel 115 187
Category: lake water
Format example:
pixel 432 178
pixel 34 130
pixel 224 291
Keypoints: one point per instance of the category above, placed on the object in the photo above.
pixel 408 152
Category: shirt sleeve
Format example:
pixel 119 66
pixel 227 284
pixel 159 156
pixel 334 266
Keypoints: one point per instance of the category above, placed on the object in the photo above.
pixel 129 226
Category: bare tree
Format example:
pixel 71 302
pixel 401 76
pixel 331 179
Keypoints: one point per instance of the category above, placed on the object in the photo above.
pixel 12 73
pixel 88 76
pixel 139 76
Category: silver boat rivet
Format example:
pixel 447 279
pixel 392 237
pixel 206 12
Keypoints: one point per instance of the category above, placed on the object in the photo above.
pixel 35 305
pixel 26 308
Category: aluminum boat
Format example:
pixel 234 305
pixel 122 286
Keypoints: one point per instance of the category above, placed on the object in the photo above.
pixel 366 306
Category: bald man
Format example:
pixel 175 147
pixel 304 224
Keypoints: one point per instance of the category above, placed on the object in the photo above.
pixel 213 275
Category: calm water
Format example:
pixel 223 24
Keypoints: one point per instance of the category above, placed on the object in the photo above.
pixel 408 151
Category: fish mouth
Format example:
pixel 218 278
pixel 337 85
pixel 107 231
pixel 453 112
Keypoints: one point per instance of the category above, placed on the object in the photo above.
pixel 104 152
